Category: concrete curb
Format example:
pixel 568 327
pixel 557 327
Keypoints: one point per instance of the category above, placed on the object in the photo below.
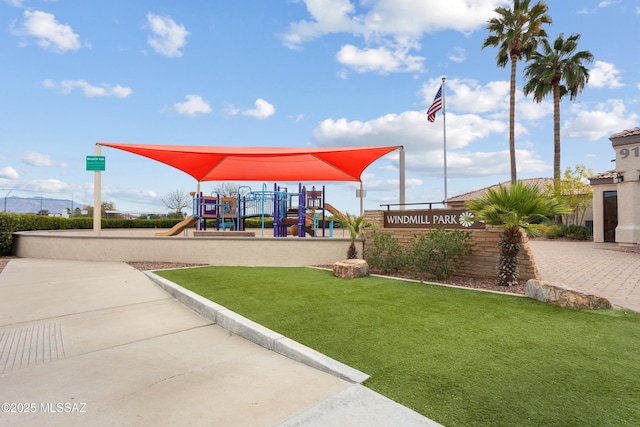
pixel 252 331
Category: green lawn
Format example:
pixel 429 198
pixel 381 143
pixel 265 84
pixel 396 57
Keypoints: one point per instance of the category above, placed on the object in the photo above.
pixel 460 357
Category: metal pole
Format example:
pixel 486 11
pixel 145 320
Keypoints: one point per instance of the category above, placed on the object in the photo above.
pixel 444 132
pixel 5 199
pixel 361 199
pixel 402 179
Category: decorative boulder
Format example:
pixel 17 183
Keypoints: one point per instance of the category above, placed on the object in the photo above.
pixel 565 297
pixel 351 268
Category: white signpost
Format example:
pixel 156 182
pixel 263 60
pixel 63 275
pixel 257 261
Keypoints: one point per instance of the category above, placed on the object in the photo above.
pixel 96 163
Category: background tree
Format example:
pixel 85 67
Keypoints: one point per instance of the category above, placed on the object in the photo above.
pixel 106 206
pixel 516 32
pixel 560 70
pixel 574 192
pixel 176 201
pixel 515 207
pixel 227 189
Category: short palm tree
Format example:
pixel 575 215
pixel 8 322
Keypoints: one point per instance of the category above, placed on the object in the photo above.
pixel 356 226
pixel 516 32
pixel 516 207
pixel 560 70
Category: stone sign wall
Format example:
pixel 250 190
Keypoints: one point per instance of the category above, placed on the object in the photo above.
pixel 453 219
pixel 484 242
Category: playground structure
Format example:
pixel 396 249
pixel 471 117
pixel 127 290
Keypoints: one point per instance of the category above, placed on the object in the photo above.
pixel 298 213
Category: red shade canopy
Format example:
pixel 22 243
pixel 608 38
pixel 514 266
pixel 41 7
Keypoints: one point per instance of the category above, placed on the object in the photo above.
pixel 260 163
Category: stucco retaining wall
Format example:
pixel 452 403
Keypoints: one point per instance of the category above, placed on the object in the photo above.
pixel 231 251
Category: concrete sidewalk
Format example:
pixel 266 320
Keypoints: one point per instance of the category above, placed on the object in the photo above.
pixel 93 343
pixel 598 268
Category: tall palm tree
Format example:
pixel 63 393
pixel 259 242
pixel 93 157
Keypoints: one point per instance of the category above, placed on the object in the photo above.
pixel 516 207
pixel 516 32
pixel 558 69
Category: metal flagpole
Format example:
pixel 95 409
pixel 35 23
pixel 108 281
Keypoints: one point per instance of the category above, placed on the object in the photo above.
pixel 444 132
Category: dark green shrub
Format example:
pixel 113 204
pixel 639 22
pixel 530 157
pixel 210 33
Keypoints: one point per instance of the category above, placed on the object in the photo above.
pixel 384 253
pixel 554 231
pixel 257 222
pixel 577 232
pixel 8 224
pixel 438 253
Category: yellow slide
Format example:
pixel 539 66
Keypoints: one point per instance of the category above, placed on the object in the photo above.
pixel 179 227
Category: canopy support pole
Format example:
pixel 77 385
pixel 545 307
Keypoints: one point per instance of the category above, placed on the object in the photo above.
pixel 97 196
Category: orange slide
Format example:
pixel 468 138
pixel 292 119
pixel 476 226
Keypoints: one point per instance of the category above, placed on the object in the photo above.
pixel 179 227
pixel 333 210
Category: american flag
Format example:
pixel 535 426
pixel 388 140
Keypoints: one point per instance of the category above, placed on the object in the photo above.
pixel 435 106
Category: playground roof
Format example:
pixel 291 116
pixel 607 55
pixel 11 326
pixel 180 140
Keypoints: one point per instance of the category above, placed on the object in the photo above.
pixel 262 163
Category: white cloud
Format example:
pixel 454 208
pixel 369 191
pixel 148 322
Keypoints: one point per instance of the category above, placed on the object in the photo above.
pixel 458 54
pixel 262 111
pixel 33 158
pixel 230 110
pixel 328 16
pixel 371 184
pixel 50 34
pixel 9 173
pixel 66 86
pixel 122 195
pixel 608 3
pixel 168 38
pixel 528 109
pixel 389 28
pixel 192 106
pixel 608 118
pixel 15 3
pixel 468 96
pixel 389 17
pixel 467 132
pixel 410 129
pixel 601 5
pixel 380 59
pixel 606 75
pixel 42 186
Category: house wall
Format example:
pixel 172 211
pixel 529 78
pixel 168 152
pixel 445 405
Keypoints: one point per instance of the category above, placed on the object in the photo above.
pixel 485 248
pixel 628 167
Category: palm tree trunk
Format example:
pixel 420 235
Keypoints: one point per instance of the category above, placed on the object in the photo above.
pixel 352 252
pixel 510 244
pixel 512 118
pixel 556 134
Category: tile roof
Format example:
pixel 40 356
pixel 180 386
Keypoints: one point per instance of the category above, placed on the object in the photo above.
pixel 603 175
pixel 625 133
pixel 540 182
pixel 603 178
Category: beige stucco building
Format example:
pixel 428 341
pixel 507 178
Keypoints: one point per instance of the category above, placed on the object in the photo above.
pixel 616 193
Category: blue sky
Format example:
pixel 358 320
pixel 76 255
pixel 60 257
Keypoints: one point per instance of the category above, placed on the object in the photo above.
pixel 293 73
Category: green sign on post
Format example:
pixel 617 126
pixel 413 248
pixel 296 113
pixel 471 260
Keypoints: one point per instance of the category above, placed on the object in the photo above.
pixel 95 163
